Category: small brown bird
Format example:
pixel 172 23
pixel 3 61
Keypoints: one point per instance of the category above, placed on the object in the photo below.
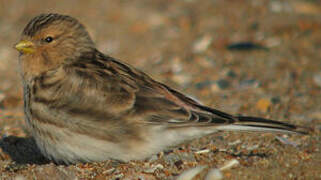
pixel 83 106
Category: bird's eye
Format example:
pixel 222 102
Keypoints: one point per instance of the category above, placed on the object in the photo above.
pixel 49 39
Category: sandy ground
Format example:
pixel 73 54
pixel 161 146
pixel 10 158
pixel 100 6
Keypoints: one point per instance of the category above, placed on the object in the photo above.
pixel 259 58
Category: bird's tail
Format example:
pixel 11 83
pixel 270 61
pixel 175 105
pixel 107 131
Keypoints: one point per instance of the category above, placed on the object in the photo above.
pixel 247 123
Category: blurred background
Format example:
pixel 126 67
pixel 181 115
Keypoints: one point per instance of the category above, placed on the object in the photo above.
pixel 241 56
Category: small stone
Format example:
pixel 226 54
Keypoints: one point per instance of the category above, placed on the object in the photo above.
pixel 204 84
pixel 245 46
pixel 203 151
pixel 317 79
pixel 220 85
pixel 275 100
pixel 202 44
pixel 154 168
pixel 230 164
pixel 251 148
pixel 263 105
pixel 235 142
pixel 109 171
pixel 231 74
pixel 179 164
pixel 223 84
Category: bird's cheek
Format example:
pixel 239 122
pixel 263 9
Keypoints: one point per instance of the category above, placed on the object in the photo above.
pixel 54 57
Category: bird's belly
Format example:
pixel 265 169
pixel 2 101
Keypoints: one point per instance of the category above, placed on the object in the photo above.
pixel 62 146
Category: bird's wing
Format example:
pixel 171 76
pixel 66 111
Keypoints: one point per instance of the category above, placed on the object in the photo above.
pixel 121 90
pixel 157 103
pixel 124 92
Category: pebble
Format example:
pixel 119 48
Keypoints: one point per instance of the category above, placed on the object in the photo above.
pixel 203 151
pixel 251 148
pixel 235 142
pixel 202 44
pixel 249 83
pixel 109 171
pixel 276 100
pixel 230 164
pixel 231 74
pixel 245 46
pixel 204 84
pixel 154 168
pixel 223 84
pixel 263 105
pixel 179 164
pixel 219 85
pixel 317 79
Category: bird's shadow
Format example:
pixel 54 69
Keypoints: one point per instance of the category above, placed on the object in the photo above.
pixel 22 150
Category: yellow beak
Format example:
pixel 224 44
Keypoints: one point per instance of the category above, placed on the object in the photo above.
pixel 25 47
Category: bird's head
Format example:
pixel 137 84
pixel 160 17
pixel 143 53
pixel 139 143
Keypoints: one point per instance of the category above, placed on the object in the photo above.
pixel 50 40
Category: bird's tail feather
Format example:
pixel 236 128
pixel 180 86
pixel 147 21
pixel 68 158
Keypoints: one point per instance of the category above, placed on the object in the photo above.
pixel 247 123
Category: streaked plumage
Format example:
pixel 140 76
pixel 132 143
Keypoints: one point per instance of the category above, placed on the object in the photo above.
pixel 84 106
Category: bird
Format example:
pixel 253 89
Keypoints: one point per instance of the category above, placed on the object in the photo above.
pixel 82 105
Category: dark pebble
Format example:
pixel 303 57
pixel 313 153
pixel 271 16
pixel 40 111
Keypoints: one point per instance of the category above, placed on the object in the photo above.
pixel 245 46
pixel 204 84
pixel 275 100
pixel 179 164
pixel 223 84
pixel 231 74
